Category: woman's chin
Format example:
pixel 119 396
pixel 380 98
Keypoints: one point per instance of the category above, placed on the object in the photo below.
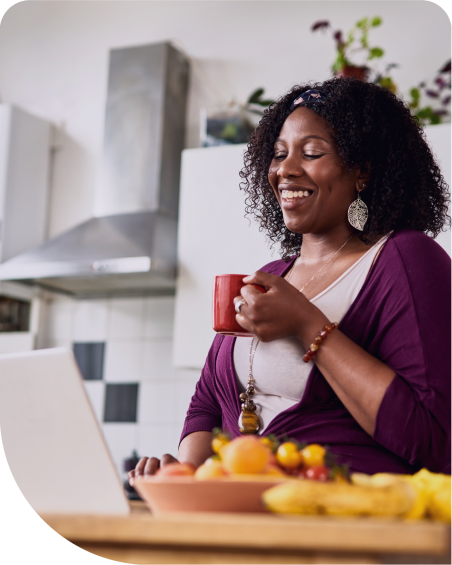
pixel 296 226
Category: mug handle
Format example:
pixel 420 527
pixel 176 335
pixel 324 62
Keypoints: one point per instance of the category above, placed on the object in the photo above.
pixel 260 288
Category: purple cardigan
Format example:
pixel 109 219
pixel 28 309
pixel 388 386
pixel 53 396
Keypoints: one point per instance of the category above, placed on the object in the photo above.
pixel 402 317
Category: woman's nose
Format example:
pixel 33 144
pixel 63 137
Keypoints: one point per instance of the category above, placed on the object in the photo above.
pixel 290 167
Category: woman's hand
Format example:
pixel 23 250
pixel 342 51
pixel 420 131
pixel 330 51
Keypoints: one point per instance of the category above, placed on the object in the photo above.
pixel 280 312
pixel 194 449
pixel 149 466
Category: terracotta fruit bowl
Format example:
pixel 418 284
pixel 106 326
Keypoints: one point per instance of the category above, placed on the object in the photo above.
pixel 186 494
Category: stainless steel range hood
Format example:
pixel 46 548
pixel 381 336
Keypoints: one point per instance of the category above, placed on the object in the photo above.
pixel 130 246
pixel 113 255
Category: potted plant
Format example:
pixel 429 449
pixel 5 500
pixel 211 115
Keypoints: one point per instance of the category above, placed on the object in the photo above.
pixel 355 43
pixel 439 93
pixel 233 123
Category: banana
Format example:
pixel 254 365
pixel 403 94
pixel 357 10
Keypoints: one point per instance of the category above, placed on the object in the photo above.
pixel 433 492
pixel 436 489
pixel 419 507
pixel 309 497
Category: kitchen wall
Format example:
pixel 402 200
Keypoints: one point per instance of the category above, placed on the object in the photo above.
pixel 137 338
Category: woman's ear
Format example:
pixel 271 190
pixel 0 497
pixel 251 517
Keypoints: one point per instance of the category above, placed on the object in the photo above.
pixel 363 178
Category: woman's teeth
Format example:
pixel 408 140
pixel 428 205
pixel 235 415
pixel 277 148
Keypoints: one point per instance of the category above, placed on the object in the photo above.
pixel 288 194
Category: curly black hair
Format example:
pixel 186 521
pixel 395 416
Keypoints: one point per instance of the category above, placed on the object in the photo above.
pixel 372 128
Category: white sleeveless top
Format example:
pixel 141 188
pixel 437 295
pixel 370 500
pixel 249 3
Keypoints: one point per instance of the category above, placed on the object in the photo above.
pixel 278 368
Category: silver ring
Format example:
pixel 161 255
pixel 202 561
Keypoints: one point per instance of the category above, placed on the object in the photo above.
pixel 239 304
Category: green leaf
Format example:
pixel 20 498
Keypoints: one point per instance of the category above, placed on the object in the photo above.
pixel 362 23
pixel 265 102
pixel 387 82
pixel 425 113
pixel 376 21
pixel 254 97
pixel 435 119
pixel 428 116
pixel 338 63
pixel 375 52
pixel 415 93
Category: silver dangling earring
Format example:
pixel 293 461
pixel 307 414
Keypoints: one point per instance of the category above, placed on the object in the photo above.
pixel 358 213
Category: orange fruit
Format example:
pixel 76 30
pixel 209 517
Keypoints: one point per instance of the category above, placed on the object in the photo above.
pixel 313 455
pixel 245 455
pixel 210 470
pixel 288 455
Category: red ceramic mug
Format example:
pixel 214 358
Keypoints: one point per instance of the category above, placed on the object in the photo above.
pixel 225 289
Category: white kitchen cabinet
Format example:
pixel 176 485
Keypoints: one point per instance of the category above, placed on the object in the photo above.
pixel 24 180
pixel 24 185
pixel 216 238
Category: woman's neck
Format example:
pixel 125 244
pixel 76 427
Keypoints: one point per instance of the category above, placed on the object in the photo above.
pixel 317 247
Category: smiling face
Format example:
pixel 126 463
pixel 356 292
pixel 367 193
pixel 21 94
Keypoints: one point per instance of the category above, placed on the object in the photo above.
pixel 313 187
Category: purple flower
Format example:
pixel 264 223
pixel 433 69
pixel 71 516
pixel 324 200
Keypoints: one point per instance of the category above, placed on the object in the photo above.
pixel 446 68
pixel 320 25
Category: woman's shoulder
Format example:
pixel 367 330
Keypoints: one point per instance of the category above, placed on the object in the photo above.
pixel 412 264
pixel 415 248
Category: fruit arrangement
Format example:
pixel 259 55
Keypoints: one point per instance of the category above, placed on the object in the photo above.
pixel 311 482
pixel 266 456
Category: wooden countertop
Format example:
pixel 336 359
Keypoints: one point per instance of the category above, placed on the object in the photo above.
pixel 282 536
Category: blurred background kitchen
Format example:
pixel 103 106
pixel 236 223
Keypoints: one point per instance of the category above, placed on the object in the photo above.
pixel 121 138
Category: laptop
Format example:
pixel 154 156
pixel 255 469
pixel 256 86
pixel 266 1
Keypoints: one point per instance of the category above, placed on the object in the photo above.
pixel 52 440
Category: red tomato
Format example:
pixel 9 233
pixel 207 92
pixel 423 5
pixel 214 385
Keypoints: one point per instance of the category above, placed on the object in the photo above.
pixel 317 473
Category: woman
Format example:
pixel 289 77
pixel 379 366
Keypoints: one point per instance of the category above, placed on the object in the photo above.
pixel 376 390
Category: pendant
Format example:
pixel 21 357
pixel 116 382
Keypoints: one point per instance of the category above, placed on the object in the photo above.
pixel 358 214
pixel 249 422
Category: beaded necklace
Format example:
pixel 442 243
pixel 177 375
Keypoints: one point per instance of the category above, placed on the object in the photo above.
pixel 249 421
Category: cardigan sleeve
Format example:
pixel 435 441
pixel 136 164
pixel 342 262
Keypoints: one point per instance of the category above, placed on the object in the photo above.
pixel 413 420
pixel 204 412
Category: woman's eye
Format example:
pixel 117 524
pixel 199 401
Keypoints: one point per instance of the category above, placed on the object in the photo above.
pixel 279 156
pixel 313 156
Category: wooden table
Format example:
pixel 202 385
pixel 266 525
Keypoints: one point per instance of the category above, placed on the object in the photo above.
pixel 254 538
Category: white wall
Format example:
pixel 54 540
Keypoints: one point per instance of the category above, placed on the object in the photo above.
pixel 54 56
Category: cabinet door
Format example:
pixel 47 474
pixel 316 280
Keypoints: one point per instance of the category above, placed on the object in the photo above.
pixel 24 178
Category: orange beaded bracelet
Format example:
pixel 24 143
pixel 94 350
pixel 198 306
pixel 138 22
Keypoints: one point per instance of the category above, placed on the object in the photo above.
pixel 322 335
